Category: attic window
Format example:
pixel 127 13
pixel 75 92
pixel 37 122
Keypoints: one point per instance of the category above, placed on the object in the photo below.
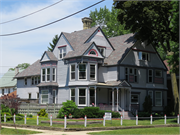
pixel 93 52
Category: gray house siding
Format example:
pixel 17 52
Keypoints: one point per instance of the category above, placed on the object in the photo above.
pixel 102 74
pixel 63 94
pixel 112 73
pixel 23 93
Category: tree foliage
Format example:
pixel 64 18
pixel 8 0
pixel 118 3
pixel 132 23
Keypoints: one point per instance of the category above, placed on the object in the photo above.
pixel 147 105
pixel 52 45
pixel 20 66
pixel 107 20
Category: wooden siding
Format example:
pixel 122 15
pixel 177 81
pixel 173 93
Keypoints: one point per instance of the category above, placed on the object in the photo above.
pixel 63 95
pixel 102 73
pixel 112 73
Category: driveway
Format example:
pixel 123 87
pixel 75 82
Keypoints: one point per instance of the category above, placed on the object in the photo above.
pixel 49 132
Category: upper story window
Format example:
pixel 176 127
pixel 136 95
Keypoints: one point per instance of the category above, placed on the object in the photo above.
pixel 93 52
pixel 32 80
pixel 150 75
pixel 43 75
pixel 54 75
pixel 62 52
pixel 92 72
pixel 82 71
pixel 35 80
pixel 144 56
pixel 131 75
pixel 25 81
pixel 2 91
pixel 48 74
pixel 158 73
pixel 72 74
pixel 102 50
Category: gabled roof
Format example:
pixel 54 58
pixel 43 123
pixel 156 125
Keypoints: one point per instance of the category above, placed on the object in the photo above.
pixel 7 79
pixel 122 44
pixel 51 56
pixel 32 70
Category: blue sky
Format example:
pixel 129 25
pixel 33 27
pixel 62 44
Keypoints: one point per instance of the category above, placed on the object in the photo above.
pixel 29 47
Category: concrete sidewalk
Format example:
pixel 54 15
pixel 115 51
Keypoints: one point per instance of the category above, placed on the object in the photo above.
pixel 50 132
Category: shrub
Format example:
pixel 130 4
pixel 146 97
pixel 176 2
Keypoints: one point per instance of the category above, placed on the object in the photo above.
pixel 42 113
pixel 91 112
pixel 144 114
pixel 115 115
pixel 30 115
pixel 8 116
pixel 19 116
pixel 78 113
pixel 68 108
pixel 147 105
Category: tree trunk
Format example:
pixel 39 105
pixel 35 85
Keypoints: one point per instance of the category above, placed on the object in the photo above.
pixel 175 93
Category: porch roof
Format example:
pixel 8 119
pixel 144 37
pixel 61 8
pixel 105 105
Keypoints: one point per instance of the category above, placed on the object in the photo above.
pixel 47 84
pixel 119 83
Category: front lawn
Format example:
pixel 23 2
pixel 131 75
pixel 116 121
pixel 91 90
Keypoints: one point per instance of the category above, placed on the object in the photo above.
pixel 142 131
pixel 11 131
pixel 115 123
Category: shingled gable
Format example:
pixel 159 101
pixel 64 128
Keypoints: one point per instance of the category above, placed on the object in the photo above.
pixel 32 70
pixel 122 45
pixel 50 55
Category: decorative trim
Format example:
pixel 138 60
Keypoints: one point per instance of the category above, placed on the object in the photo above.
pixel 62 46
pixel 101 46
pixel 92 54
pixel 143 51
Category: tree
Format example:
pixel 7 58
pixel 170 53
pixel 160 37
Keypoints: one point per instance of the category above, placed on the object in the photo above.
pixel 154 22
pixel 20 66
pixel 147 105
pixel 52 45
pixel 107 20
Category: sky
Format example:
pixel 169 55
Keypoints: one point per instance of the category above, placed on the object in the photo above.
pixel 29 47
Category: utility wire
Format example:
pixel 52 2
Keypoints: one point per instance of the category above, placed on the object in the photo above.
pixel 52 22
pixel 31 13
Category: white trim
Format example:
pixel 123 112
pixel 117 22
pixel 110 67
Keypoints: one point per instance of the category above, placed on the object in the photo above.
pixel 48 74
pixel 82 96
pixel 44 94
pixel 86 71
pixel 74 94
pixel 54 74
pixel 90 71
pixel 155 98
pixel 42 75
pixel 62 48
pixel 74 71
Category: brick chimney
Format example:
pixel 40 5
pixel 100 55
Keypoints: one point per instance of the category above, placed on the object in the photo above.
pixel 16 70
pixel 86 22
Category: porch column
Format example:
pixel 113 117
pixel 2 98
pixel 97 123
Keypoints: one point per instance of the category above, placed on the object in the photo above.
pixel 117 99
pixel 95 95
pixel 88 97
pixel 130 99
pixel 112 99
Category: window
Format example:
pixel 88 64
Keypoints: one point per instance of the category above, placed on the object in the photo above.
pixel 73 95
pixel 131 75
pixel 54 75
pixel 150 75
pixel 32 80
pixel 93 52
pixel 44 96
pixel 72 72
pixel 43 75
pixel 144 56
pixel 135 75
pixel 102 50
pixel 37 95
pixel 35 80
pixel 158 73
pixel 38 79
pixel 25 81
pixel 62 52
pixel 150 93
pixel 29 95
pixel 82 96
pixel 9 91
pixel 92 72
pixel 126 74
pixel 48 74
pixel 134 99
pixel 92 96
pixel 2 91
pixel 54 96
pixel 158 98
pixel 82 71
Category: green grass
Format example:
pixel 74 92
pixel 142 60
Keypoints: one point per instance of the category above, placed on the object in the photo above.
pixel 142 131
pixel 18 131
pixel 115 123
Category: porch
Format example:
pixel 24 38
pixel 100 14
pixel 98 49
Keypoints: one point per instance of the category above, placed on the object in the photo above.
pixel 115 96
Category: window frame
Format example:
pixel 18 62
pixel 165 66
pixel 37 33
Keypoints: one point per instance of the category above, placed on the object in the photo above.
pixel 150 96
pixel 140 56
pixel 42 75
pixel 73 71
pixel 137 98
pixel 156 98
pixel 63 52
pixel 29 95
pixel 54 74
pixel 91 89
pixel 150 76
pixel 48 74
pixel 85 71
pixel 160 72
pixel 45 94
pixel 90 72
pixel 25 81
pixel 32 80
pixel 74 94
pixel 82 96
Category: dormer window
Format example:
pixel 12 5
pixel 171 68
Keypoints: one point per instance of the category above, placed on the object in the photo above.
pixel 144 56
pixel 93 52
pixel 62 52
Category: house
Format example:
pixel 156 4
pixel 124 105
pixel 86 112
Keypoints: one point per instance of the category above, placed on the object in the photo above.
pixel 87 67
pixel 8 83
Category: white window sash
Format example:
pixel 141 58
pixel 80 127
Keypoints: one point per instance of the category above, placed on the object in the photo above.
pixel 54 75
pixel 85 72
pixel 47 74
pixel 82 96
pixel 44 94
pixel 90 72
pixel 73 71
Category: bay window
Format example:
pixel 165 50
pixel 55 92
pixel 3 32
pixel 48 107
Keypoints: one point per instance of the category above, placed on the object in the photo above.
pixel 32 80
pixel 48 74
pixel 44 96
pixel 72 70
pixel 82 71
pixel 92 72
pixel 158 98
pixel 54 75
pixel 82 96
pixel 158 73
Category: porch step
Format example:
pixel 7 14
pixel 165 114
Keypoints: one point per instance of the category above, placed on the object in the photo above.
pixel 127 115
